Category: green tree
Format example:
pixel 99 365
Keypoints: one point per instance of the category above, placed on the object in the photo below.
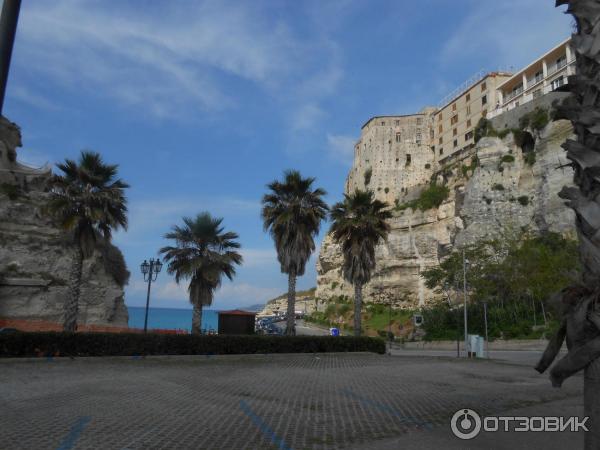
pixel 359 224
pixel 88 201
pixel 292 213
pixel 203 253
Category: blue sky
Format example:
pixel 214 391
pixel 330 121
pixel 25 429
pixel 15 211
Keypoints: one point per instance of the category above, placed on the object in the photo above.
pixel 202 103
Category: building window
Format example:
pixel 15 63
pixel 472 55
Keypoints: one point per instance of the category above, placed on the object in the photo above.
pixel 469 136
pixel 419 120
pixel 440 117
pixel 398 137
pixel 397 122
pixel 483 86
pixel 455 143
pixel 382 122
pixel 440 141
pixel 484 100
pixel 440 128
pixel 454 107
pixel 433 148
pixel 441 151
pixel 408 159
pixel 468 123
pixel 558 83
pixel 468 98
pixel 431 134
pixel 454 132
pixel 468 110
pixel 454 119
pixel 419 138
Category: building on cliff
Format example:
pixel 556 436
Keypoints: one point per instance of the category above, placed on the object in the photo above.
pixel 398 156
pixel 36 257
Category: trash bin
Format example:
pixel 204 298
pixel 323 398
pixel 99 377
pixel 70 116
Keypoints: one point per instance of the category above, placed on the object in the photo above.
pixel 334 332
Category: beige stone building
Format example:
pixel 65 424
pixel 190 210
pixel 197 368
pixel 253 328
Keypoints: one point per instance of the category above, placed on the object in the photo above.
pixel 392 154
pixel 460 112
pixel 544 75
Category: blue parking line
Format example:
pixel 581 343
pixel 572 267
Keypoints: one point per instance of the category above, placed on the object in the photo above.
pixel 74 434
pixel 263 427
pixel 389 409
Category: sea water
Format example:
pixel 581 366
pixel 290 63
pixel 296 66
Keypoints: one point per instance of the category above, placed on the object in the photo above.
pixel 171 318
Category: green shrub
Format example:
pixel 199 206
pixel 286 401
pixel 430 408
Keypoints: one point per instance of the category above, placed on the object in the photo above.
pixel 132 344
pixel 497 187
pixel 368 175
pixel 507 159
pixel 484 128
pixel 432 197
pixel 503 133
pixel 12 191
pixel 523 200
pixel 529 158
pixel 539 119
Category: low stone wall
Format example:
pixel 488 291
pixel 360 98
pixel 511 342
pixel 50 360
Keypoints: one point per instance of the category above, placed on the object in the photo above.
pixel 42 325
pixel 510 119
pixel 499 344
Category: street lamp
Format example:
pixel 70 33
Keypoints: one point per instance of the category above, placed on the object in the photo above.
pixel 150 271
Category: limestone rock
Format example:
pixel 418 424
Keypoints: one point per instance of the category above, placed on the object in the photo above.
pixel 497 194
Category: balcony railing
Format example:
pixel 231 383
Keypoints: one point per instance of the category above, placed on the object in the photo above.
pixel 513 95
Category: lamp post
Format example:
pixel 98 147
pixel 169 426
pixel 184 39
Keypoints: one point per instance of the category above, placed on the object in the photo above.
pixel 390 325
pixel 8 29
pixel 150 271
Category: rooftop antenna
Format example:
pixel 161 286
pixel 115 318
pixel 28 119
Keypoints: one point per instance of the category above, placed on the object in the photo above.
pixel 8 28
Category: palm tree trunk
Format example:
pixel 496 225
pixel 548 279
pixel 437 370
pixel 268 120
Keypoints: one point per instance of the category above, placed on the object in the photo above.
pixel 72 305
pixel 291 305
pixel 197 318
pixel 581 108
pixel 357 308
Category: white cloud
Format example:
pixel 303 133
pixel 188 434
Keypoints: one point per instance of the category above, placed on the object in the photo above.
pixel 258 257
pixel 505 33
pixel 170 58
pixel 32 98
pixel 160 214
pixel 341 147
pixel 167 293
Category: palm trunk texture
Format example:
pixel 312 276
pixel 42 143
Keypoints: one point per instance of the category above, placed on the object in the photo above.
pixel 197 319
pixel 581 325
pixel 291 305
pixel 72 305
pixel 357 308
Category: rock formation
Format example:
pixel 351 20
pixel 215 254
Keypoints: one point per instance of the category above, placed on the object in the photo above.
pixel 491 187
pixel 36 256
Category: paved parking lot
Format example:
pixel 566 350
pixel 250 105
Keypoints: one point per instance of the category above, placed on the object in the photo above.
pixel 356 401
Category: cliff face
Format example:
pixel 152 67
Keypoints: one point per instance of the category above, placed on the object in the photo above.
pixel 503 190
pixel 36 257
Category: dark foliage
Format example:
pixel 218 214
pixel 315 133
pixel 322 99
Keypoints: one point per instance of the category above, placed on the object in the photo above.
pixel 132 344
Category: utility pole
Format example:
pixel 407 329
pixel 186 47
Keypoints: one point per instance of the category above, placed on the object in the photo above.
pixel 8 29
pixel 465 303
pixel 487 341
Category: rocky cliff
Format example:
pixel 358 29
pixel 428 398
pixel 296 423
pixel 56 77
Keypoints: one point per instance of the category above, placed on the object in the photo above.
pixel 493 186
pixel 36 257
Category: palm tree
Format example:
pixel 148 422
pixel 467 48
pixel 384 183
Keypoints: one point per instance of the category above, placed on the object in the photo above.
pixel 581 326
pixel 89 201
pixel 203 253
pixel 359 224
pixel 292 213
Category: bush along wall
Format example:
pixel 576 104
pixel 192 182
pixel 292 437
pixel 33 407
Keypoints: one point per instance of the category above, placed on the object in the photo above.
pixel 45 344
